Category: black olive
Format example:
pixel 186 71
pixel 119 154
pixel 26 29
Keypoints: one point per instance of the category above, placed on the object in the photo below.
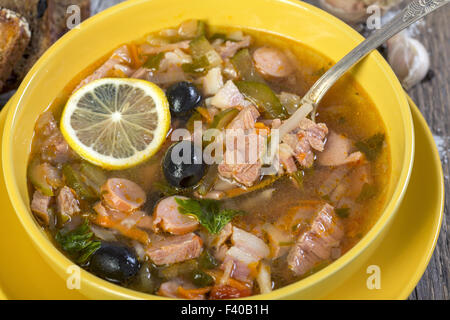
pixel 183 97
pixel 41 8
pixel 114 262
pixel 183 170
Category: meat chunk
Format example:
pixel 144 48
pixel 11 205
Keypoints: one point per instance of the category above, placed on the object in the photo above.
pixel 56 150
pixel 245 119
pixel 303 140
pixel 46 124
pixel 316 244
pixel 250 243
pixel 286 159
pixel 120 57
pixel 53 146
pixel 277 240
pixel 122 194
pixel 272 62
pixel 40 205
pixel 230 48
pixel 337 151
pixel 175 249
pixel 228 96
pixel 242 161
pixel 167 217
pixel 351 186
pixel 66 202
pixel 245 254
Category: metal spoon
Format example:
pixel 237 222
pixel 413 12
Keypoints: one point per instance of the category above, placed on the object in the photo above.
pixel 415 10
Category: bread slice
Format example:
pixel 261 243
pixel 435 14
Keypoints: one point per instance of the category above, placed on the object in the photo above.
pixel 15 35
pixel 47 20
pixel 34 11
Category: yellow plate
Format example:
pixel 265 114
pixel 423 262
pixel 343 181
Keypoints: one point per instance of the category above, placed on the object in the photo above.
pixel 402 255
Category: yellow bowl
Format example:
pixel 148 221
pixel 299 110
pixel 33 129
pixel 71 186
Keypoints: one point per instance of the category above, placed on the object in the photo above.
pixel 133 19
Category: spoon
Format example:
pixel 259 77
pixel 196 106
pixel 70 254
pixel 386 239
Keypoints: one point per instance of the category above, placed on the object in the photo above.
pixel 415 10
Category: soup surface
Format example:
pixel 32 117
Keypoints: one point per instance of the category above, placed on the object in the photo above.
pixel 225 229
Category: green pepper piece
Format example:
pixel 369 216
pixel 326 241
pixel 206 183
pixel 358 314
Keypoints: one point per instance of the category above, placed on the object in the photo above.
pixel 194 117
pixel 299 177
pixel 178 269
pixel 201 279
pixel 266 100
pixel 223 118
pixel 197 67
pixel 371 146
pixel 153 62
pixel 220 121
pixel 216 36
pixel 75 181
pixel 201 49
pixel 208 180
pixel 94 176
pixel 207 261
pixel 243 63
pixel 342 212
pixel 201 28
pixel 37 176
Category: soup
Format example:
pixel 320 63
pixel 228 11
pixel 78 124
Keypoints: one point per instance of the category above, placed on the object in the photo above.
pixel 209 226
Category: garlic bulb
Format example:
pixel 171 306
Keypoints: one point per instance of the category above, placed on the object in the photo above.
pixel 408 58
pixel 354 11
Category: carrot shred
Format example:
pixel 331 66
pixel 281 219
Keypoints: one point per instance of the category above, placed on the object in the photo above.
pixel 231 282
pixel 135 57
pixel 193 293
pixel 260 125
pixel 262 129
pixel 205 114
pixel 133 233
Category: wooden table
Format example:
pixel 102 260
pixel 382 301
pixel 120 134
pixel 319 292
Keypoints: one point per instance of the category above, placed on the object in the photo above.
pixel 433 99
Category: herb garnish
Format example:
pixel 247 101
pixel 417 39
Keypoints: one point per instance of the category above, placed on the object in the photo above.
pixel 368 191
pixel 371 146
pixel 78 243
pixel 342 212
pixel 208 213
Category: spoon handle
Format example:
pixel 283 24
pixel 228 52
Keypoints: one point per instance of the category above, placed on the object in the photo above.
pixel 415 10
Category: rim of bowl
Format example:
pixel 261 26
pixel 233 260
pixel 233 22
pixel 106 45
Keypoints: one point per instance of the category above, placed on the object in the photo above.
pixel 62 262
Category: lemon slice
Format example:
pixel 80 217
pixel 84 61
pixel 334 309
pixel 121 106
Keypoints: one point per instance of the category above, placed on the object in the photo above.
pixel 116 123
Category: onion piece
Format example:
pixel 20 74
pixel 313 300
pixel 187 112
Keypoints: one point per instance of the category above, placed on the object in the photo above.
pixel 264 279
pixel 103 234
pixel 292 122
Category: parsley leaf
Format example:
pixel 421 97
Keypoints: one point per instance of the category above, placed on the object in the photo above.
pixel 342 212
pixel 78 243
pixel 368 191
pixel 208 213
pixel 372 146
